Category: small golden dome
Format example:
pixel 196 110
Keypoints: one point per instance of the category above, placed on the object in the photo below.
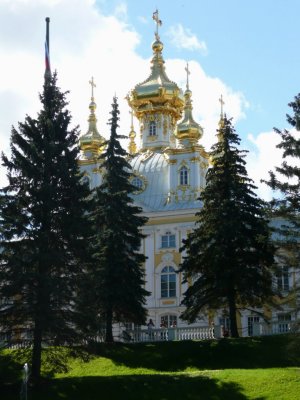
pixel 92 140
pixel 188 131
pixel 157 46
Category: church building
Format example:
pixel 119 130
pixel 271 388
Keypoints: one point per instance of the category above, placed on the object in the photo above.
pixel 169 167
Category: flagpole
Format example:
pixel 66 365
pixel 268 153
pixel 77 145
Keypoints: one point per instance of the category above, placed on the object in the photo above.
pixel 47 51
pixel 47 33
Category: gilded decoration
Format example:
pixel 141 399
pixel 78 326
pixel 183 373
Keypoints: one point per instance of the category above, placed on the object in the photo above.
pixel 157 98
pixel 92 143
pixel 152 138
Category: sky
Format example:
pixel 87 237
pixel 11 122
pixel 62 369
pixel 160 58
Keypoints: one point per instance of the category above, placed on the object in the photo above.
pixel 246 51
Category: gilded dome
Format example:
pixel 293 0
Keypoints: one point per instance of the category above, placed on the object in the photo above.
pixel 157 90
pixel 92 141
pixel 188 131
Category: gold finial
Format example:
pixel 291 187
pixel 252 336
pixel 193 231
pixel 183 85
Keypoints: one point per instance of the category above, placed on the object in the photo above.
pixel 131 115
pixel 132 145
pixel 222 102
pixel 158 23
pixel 187 75
pixel 93 85
pixel 221 122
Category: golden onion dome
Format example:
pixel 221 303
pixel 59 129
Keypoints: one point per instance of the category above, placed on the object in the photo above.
pixel 188 130
pixel 157 91
pixel 92 140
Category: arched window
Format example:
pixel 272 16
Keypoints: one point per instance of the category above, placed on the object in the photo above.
pixel 152 128
pixel 168 282
pixel 183 176
pixel 137 182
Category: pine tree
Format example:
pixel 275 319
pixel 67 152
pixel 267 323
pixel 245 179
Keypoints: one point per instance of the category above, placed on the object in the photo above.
pixel 228 257
pixel 116 271
pixel 286 181
pixel 42 226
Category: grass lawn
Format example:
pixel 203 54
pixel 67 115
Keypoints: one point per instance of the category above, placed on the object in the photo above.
pixel 228 369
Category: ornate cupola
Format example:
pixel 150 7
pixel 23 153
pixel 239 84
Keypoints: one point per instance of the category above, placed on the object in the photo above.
pixel 188 131
pixel 157 102
pixel 91 143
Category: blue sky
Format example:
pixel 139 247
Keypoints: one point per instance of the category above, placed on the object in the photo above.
pixel 246 51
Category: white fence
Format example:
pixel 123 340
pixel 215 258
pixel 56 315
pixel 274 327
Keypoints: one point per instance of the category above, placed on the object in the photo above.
pixel 169 334
pixel 275 327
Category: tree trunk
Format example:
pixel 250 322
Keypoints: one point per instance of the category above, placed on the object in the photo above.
pixel 108 332
pixel 232 314
pixel 36 359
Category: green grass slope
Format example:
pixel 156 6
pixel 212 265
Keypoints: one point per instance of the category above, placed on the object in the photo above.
pixel 264 368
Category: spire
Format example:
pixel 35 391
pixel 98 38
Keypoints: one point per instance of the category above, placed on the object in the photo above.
pixel 47 50
pixel 187 76
pixel 132 136
pixel 158 23
pixel 92 141
pixel 222 102
pixel 188 131
pixel 221 121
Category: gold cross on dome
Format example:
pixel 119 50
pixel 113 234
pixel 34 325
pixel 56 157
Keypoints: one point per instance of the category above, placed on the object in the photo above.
pixel 187 75
pixel 93 85
pixel 222 102
pixel 158 22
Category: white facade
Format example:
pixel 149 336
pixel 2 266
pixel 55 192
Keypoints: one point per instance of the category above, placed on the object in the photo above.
pixel 169 172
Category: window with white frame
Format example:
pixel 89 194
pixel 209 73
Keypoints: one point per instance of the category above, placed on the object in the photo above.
pixel 168 321
pixel 252 320
pixel 183 176
pixel 168 282
pixel 168 240
pixel 282 276
pixel 152 128
pixel 130 326
pixel 284 321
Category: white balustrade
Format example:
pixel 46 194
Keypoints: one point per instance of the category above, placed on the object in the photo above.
pixel 169 334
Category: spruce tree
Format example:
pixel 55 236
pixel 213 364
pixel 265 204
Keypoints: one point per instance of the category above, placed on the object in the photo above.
pixel 286 182
pixel 229 255
pixel 43 225
pixel 117 267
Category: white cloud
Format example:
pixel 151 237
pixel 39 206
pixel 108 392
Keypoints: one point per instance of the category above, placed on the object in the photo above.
pixel 206 92
pixel 86 43
pixel 266 157
pixel 183 38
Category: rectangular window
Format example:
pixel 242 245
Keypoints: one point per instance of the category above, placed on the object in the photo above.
pixel 283 282
pixel 168 241
pixel 251 321
pixel 284 321
pixel 183 176
pixel 152 128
